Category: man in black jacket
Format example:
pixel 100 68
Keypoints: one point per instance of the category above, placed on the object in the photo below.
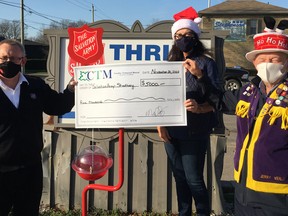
pixel 23 100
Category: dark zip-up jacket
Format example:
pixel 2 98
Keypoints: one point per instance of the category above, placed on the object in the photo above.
pixel 200 90
pixel 21 140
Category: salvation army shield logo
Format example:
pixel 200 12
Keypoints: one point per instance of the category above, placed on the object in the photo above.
pixel 85 44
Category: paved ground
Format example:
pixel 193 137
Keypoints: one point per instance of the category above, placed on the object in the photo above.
pixel 227 179
pixel 230 124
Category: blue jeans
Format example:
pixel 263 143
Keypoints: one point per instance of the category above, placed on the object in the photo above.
pixel 187 159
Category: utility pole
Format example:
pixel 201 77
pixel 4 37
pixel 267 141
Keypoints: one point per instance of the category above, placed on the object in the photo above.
pixel 92 13
pixel 22 29
pixel 22 21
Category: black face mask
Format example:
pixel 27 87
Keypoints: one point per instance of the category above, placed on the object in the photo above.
pixel 186 44
pixel 9 69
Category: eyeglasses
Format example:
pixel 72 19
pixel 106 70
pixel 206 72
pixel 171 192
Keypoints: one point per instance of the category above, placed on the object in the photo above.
pixel 186 35
pixel 11 58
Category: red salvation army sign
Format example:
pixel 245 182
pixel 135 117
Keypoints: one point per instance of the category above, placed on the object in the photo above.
pixel 85 44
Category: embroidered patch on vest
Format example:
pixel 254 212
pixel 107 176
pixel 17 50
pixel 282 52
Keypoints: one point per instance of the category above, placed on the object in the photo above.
pixel 249 90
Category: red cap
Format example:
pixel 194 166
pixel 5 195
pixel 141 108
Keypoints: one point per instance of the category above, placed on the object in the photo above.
pixel 187 18
pixel 272 40
pixel 188 13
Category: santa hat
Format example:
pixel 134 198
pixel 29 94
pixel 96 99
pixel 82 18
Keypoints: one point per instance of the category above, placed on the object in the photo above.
pixel 271 40
pixel 187 18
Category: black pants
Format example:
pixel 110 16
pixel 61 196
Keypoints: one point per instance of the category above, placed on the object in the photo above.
pixel 251 203
pixel 249 210
pixel 21 191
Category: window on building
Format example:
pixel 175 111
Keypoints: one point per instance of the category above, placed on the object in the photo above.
pixel 253 26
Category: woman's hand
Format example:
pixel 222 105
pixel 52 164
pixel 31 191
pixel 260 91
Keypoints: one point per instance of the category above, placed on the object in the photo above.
pixel 163 134
pixel 193 68
pixel 191 105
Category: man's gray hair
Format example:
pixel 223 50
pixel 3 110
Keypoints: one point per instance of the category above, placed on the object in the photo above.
pixel 13 42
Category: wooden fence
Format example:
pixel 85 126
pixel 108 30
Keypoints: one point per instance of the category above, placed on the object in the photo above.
pixel 148 182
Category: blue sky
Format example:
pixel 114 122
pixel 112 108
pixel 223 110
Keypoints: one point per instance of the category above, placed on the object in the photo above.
pixel 39 13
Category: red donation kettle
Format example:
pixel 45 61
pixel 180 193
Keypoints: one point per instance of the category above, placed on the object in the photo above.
pixel 92 163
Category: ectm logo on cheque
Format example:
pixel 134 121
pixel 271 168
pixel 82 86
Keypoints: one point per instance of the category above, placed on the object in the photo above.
pixel 95 74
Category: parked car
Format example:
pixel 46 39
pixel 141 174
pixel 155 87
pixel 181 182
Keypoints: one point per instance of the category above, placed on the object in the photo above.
pixel 235 77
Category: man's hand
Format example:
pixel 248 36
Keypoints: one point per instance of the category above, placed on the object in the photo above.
pixel 72 84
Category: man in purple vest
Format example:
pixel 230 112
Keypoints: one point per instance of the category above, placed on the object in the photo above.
pixel 261 108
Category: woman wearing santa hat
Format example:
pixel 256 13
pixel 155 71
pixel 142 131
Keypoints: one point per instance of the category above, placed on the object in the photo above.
pixel 186 145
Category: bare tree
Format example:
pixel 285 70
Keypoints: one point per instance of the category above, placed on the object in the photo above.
pixel 63 24
pixel 4 28
pixel 40 38
pixel 10 29
pixel 15 29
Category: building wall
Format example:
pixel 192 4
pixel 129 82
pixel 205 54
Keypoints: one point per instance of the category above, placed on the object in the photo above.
pixel 234 51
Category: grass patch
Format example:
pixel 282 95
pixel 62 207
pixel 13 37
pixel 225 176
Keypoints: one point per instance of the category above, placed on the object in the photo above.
pixel 98 212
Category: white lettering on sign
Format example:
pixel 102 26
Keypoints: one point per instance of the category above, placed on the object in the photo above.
pixel 88 49
pixel 140 52
pixel 84 42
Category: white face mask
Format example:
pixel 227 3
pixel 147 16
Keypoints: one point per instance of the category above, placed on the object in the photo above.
pixel 270 72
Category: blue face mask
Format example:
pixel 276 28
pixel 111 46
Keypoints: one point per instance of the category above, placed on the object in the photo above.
pixel 9 69
pixel 186 44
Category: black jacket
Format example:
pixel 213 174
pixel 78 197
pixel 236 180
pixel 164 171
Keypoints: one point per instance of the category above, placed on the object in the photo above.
pixel 21 128
pixel 200 90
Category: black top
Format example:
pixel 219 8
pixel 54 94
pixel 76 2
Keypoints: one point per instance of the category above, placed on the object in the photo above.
pixel 200 90
pixel 21 128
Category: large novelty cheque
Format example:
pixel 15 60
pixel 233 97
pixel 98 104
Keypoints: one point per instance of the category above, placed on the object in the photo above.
pixel 130 95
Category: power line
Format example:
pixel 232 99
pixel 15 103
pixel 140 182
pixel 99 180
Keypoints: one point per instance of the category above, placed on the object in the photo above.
pixel 32 11
pixel 38 23
pixel 54 19
pixel 102 12
pixel 29 26
pixel 80 6
pixel 12 4
pixel 46 16
pixel 88 6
